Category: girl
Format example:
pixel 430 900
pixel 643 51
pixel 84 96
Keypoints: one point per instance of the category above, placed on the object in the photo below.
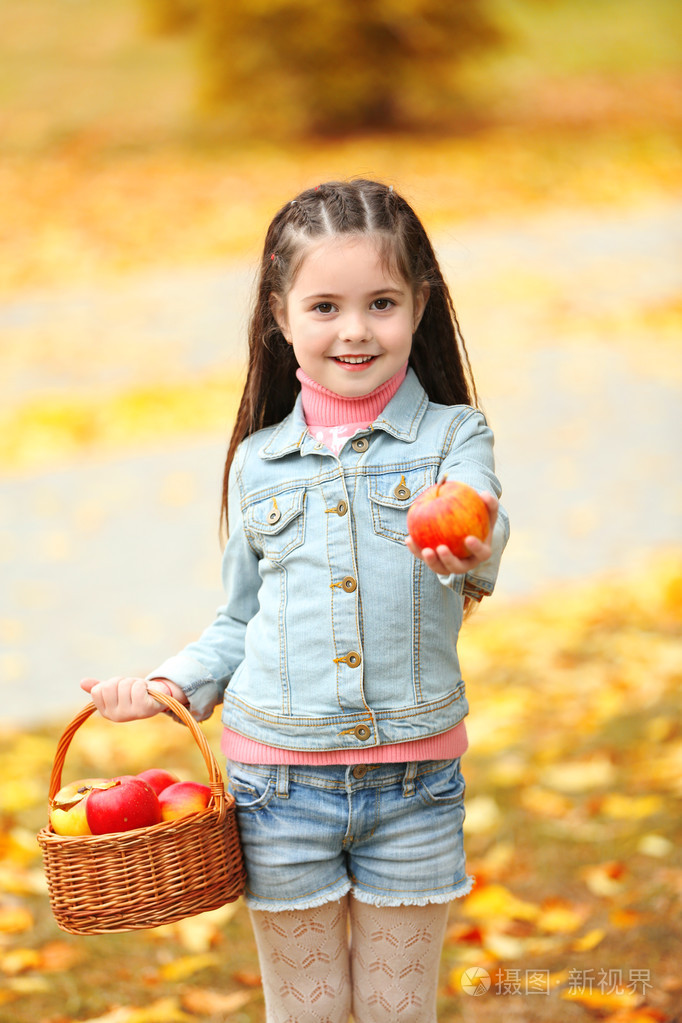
pixel 335 656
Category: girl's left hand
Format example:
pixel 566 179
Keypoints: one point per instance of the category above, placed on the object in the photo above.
pixel 444 562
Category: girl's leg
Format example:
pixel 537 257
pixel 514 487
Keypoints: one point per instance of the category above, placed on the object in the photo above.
pixel 395 957
pixel 304 963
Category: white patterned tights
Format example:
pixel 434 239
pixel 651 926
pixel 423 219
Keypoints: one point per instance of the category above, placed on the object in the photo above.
pixel 386 973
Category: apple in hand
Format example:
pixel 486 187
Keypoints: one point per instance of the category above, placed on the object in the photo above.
pixel 183 798
pixel 67 809
pixel 127 804
pixel 447 513
pixel 158 778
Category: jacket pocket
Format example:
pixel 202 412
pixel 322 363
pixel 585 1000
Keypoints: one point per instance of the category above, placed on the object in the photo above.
pixel 275 525
pixel 390 497
pixel 442 786
pixel 252 791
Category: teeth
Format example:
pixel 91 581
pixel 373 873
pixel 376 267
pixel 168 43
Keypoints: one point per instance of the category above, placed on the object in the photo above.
pixel 354 358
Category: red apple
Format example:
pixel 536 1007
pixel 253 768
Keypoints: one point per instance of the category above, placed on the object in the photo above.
pixel 129 803
pixel 447 513
pixel 183 798
pixel 158 778
pixel 67 809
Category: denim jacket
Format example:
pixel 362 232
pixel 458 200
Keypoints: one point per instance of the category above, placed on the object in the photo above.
pixel 333 635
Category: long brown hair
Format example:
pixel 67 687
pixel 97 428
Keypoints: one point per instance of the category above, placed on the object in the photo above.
pixel 438 356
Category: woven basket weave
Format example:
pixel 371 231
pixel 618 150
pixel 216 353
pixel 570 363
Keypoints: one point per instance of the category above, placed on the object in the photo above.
pixel 131 880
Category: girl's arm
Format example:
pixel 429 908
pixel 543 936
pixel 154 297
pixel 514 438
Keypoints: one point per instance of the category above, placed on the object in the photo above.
pixel 127 699
pixel 469 458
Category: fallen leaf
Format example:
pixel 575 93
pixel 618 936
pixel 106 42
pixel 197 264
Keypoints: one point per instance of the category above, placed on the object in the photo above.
pixel 19 960
pixel 14 919
pixel 560 917
pixel 59 955
pixel 622 807
pixel 165 1010
pixel 624 919
pixel 199 933
pixel 494 901
pixel 580 775
pixel 482 815
pixel 544 802
pixel 185 966
pixel 248 978
pixel 655 845
pixel 204 1002
pixel 645 1014
pixel 604 879
pixel 589 941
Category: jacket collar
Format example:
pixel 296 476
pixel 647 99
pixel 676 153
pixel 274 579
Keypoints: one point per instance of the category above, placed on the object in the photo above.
pixel 400 418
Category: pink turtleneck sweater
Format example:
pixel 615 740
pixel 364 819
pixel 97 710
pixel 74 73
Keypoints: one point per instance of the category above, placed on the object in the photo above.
pixel 332 419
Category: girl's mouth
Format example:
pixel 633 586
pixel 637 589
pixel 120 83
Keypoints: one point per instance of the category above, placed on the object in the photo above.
pixel 354 361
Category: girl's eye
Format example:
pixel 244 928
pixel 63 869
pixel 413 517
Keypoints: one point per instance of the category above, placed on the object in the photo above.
pixel 382 303
pixel 323 307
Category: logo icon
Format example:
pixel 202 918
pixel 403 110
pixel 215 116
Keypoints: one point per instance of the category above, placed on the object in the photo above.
pixel 475 981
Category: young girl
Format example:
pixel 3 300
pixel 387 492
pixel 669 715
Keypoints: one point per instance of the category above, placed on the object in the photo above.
pixel 335 656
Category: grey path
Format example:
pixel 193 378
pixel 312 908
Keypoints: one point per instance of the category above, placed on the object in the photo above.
pixel 110 564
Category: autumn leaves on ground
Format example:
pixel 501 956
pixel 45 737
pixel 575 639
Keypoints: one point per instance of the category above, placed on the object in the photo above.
pixel 572 831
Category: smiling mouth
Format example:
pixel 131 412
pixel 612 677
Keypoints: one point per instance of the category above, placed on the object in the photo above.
pixel 354 360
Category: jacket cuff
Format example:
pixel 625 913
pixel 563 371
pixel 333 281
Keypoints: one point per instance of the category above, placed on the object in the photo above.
pixel 200 688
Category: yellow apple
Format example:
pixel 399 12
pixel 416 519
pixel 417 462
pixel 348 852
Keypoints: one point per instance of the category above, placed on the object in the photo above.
pixel 67 809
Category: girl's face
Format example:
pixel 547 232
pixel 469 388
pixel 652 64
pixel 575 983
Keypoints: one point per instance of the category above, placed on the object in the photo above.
pixel 349 320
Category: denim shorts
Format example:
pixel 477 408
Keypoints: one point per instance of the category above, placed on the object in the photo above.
pixel 389 833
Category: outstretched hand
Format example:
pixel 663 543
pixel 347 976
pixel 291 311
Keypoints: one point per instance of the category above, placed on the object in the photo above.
pixel 441 559
pixel 128 699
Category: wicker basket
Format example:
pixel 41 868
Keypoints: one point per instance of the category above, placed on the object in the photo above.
pixel 127 881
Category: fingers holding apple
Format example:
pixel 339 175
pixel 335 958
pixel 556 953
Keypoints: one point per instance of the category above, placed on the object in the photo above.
pixel 450 527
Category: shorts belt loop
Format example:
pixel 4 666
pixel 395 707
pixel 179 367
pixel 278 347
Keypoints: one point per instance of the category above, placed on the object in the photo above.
pixel 408 778
pixel 282 789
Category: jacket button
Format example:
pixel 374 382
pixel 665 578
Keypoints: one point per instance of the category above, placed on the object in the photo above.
pixel 341 508
pixel 402 492
pixel 362 732
pixel 353 659
pixel 349 584
pixel 361 770
pixel 359 444
pixel 274 515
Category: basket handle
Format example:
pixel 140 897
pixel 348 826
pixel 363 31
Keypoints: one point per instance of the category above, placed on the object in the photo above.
pixel 215 778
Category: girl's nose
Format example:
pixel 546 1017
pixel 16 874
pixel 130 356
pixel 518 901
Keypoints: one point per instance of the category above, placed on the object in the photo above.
pixel 354 327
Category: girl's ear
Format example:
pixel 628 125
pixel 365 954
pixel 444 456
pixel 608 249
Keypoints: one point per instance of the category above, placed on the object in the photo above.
pixel 278 310
pixel 421 297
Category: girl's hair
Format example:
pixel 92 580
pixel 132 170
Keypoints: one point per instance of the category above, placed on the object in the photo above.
pixel 359 207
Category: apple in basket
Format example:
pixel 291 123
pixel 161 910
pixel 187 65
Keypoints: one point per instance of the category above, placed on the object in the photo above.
pixel 67 809
pixel 158 778
pixel 447 513
pixel 183 798
pixel 128 803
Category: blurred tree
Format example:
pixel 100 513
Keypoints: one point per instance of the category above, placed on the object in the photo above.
pixel 277 67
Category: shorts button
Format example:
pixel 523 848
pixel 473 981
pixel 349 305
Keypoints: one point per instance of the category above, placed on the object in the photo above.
pixel 360 444
pixel 362 732
pixel 360 771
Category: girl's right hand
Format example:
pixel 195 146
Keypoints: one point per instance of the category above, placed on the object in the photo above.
pixel 128 699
